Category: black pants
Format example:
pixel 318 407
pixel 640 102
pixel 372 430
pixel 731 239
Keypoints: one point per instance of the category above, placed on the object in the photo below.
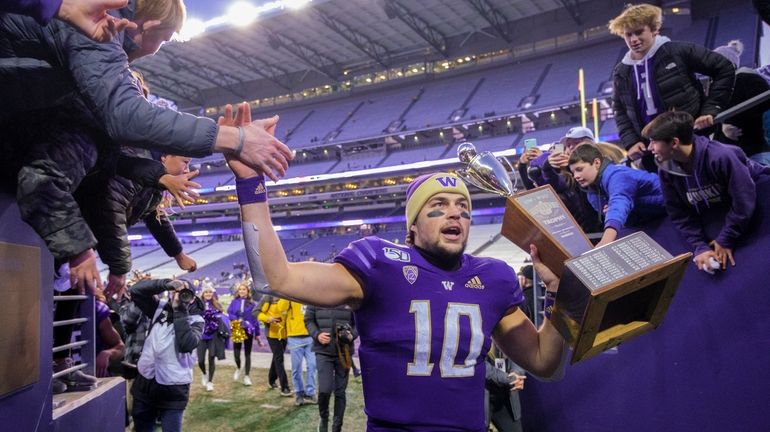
pixel 247 343
pixel 332 377
pixel 277 370
pixel 203 347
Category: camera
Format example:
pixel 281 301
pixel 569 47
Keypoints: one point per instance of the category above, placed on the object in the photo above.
pixel 185 294
pixel 344 333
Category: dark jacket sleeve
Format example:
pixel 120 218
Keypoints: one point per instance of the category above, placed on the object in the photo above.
pixel 187 336
pixel 722 73
pixel 628 134
pixel 143 171
pixel 494 377
pixel 162 230
pixel 310 323
pixel 683 216
pixel 143 294
pixel 107 215
pixel 101 75
pixel 522 167
pixel 743 194
pixel 354 332
pixel 42 11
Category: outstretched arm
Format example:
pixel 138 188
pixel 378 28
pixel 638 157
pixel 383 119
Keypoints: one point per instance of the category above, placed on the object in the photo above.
pixel 314 283
pixel 538 351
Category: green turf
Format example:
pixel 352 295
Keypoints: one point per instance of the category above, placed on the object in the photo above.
pixel 233 407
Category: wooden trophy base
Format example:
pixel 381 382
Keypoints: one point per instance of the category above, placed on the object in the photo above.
pixel 614 293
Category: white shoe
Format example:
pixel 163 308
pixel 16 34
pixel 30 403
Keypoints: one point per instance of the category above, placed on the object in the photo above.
pixel 236 375
pixel 204 381
pixel 209 386
pixel 246 381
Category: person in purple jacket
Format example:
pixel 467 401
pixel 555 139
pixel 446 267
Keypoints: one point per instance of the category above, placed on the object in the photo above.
pixel 426 312
pixel 88 16
pixel 241 311
pixel 701 178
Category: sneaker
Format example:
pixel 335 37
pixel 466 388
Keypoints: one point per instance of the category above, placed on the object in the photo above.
pixel 75 381
pixel 311 400
pixel 209 386
pixel 286 393
pixel 204 380
pixel 236 375
pixel 273 386
pixel 299 400
pixel 246 381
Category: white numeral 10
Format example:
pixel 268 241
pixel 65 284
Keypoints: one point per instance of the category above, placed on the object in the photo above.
pixel 422 340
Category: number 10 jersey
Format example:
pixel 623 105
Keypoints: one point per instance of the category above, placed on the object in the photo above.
pixel 424 334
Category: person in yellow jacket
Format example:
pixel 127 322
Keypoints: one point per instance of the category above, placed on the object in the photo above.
pixel 300 344
pixel 273 312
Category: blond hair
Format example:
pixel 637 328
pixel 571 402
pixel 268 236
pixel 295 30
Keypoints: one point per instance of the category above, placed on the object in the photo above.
pixel 171 13
pixel 637 16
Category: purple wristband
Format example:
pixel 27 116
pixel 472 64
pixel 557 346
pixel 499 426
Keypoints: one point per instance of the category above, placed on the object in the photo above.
pixel 251 190
pixel 550 301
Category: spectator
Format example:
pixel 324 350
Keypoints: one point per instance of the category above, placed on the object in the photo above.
pixel 216 330
pixel 503 381
pixel 300 345
pixel 658 74
pixel 622 195
pixel 703 179
pixel 96 76
pixel 333 331
pixel 109 346
pixel 746 130
pixel 244 329
pixel 272 311
pixel 162 387
pixel 88 16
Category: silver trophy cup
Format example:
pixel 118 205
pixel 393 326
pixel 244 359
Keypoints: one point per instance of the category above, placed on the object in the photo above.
pixel 486 171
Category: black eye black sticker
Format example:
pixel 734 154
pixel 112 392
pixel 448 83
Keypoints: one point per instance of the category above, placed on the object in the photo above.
pixel 435 214
pixel 465 215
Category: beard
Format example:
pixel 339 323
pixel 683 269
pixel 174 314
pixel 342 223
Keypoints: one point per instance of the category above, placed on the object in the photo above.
pixel 441 253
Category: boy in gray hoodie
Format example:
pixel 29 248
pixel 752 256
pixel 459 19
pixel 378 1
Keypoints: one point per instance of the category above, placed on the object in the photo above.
pixel 702 180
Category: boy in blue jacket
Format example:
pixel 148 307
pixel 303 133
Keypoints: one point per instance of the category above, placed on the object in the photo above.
pixel 623 195
pixel 701 178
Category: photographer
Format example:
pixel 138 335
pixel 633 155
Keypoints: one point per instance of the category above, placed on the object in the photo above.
pixel 162 387
pixel 333 331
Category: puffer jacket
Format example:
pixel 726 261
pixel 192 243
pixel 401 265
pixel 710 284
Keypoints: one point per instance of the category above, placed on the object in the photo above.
pixel 112 205
pixel 673 67
pixel 40 67
pixel 319 320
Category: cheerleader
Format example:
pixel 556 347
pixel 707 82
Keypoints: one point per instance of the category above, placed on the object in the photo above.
pixel 216 330
pixel 243 330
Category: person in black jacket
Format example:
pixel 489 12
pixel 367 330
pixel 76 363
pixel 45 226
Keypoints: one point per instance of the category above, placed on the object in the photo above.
pixel 45 66
pixel 657 75
pixel 162 387
pixel 333 331
pixel 111 206
pixel 746 130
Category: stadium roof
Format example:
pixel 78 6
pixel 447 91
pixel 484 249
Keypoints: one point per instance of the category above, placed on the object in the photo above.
pixel 287 51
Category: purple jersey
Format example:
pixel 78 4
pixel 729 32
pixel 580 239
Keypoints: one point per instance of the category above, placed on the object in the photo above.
pixel 424 334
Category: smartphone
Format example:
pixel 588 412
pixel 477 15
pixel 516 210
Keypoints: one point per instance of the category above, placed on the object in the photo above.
pixel 557 148
pixel 530 143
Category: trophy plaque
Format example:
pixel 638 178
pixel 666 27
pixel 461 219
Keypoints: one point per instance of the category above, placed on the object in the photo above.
pixel 606 295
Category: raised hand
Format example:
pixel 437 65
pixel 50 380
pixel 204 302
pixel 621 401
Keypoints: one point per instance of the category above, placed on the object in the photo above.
pixel 116 285
pixel 90 17
pixel 180 186
pixel 243 117
pixel 84 274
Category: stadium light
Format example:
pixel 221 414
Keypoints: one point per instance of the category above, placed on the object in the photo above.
pixel 295 4
pixel 199 233
pixel 134 237
pixel 192 28
pixel 242 14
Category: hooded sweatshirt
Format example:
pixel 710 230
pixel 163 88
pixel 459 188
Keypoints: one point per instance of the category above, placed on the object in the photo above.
pixel 632 196
pixel 647 99
pixel 721 178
